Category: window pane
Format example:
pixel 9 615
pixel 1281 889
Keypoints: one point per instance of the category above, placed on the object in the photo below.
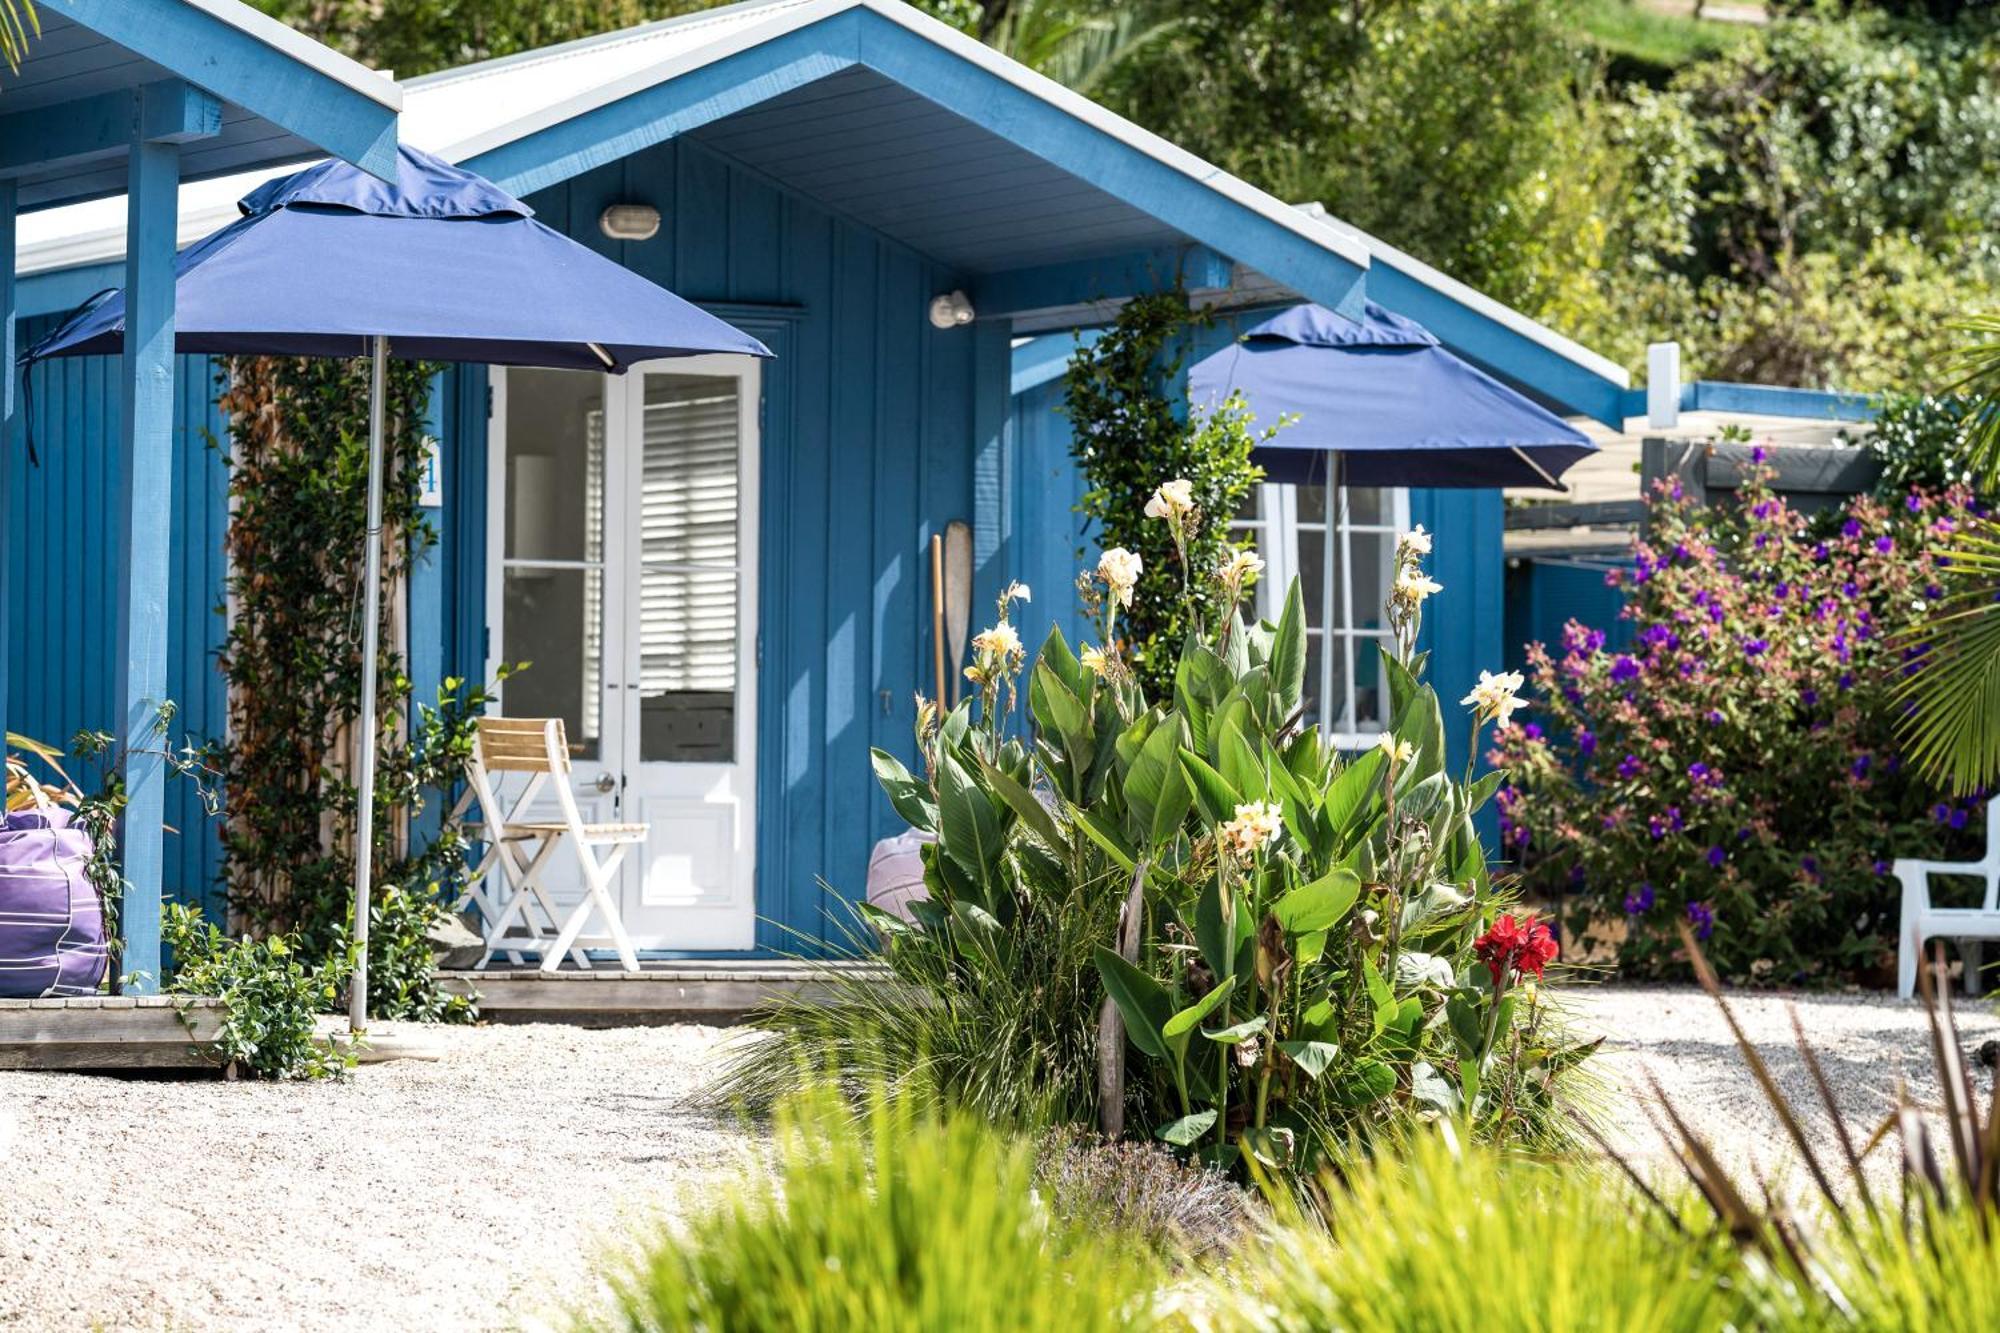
pixel 687 667
pixel 554 620
pixel 1374 558
pixel 555 465
pixel 1311 502
pixel 1369 698
pixel 1312 576
pixel 1370 505
pixel 1251 508
pixel 688 586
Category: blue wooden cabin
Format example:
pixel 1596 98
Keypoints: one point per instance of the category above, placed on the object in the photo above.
pixel 719 569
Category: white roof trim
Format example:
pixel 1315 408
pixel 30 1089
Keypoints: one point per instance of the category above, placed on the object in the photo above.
pixel 1506 316
pixel 290 42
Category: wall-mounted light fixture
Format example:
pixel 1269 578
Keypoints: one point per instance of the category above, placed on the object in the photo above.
pixel 630 222
pixel 951 310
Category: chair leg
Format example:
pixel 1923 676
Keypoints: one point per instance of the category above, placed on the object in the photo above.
pixel 597 879
pixel 1973 954
pixel 1910 936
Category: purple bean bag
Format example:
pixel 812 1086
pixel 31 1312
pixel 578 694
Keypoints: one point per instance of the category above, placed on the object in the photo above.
pixel 51 917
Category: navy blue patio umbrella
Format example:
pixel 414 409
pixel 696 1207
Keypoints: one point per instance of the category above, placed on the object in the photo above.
pixel 1379 403
pixel 440 265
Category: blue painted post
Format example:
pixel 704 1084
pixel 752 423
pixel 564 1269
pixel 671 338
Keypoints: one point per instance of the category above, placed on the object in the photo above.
pixel 145 506
pixel 9 410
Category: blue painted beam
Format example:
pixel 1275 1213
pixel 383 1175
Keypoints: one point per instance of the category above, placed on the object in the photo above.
pixel 145 510
pixel 424 628
pixel 60 291
pixel 170 111
pixel 1765 400
pixel 1039 360
pixel 255 62
pixel 617 129
pixel 1110 278
pixel 9 414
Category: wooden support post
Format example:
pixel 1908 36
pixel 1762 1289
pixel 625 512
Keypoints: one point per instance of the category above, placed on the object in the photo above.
pixel 9 429
pixel 145 510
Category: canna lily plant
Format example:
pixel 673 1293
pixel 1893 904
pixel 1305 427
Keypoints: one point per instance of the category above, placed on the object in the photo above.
pixel 1309 944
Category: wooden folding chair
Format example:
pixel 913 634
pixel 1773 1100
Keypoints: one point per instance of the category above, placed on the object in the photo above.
pixel 520 848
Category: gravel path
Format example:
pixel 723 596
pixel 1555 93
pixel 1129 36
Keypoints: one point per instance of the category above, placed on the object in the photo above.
pixel 484 1190
pixel 1865 1045
pixel 467 1193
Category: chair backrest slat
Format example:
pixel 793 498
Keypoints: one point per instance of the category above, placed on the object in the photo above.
pixel 523 745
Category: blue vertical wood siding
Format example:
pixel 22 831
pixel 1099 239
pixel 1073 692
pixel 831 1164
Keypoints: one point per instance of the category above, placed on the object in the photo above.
pixel 63 543
pixel 867 449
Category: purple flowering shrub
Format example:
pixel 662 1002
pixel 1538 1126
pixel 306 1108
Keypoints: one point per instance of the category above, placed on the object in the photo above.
pixel 1737 767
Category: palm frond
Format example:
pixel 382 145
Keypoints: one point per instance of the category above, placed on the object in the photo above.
pixel 18 22
pixel 1951 694
pixel 1978 369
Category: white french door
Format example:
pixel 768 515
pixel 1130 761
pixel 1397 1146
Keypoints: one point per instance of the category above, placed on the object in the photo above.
pixel 625 521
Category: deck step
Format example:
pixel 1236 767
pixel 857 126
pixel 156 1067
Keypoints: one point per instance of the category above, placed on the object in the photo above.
pixel 701 991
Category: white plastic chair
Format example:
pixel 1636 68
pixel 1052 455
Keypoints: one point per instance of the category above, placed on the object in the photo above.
pixel 520 848
pixel 1921 921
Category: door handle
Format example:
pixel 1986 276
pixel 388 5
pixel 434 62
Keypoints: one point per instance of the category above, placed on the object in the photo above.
pixel 606 783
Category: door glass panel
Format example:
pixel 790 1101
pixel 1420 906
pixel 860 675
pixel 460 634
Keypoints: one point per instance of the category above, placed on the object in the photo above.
pixel 553 619
pixel 553 596
pixel 555 465
pixel 688 528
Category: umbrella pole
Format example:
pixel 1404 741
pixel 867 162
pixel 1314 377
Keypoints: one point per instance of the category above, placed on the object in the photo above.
pixel 371 645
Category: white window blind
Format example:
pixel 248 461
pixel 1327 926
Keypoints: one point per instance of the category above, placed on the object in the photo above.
pixel 688 534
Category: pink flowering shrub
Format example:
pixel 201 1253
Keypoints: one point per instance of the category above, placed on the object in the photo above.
pixel 1737 767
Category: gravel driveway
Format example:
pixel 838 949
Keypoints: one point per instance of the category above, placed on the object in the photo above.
pixel 458 1194
pixel 479 1191
pixel 1865 1045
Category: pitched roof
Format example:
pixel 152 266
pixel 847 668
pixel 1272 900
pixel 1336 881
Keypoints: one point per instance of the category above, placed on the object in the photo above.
pixel 494 110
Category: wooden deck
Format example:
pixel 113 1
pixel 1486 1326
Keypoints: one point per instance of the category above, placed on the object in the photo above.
pixel 133 1033
pixel 709 991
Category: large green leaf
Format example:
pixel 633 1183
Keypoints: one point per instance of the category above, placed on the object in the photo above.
pixel 1213 795
pixel 1178 1028
pixel 1157 796
pixel 1056 655
pixel 982 937
pixel 1215 937
pixel 1187 1130
pixel 1239 765
pixel 1238 1033
pixel 1312 1057
pixel 1352 796
pixel 1288 652
pixel 1318 905
pixel 1098 830
pixel 1141 1001
pixel 910 794
pixel 969 827
pixel 1032 813
pixel 1061 714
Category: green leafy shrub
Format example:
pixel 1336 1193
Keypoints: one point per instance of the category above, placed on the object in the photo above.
pixel 270 997
pixel 1127 431
pixel 895 1221
pixel 1922 441
pixel 1739 767
pixel 1296 946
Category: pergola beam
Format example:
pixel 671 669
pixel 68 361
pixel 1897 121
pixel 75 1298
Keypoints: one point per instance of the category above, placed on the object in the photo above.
pixel 170 111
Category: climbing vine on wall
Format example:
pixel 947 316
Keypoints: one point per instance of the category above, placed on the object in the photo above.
pixel 1129 433
pixel 297 462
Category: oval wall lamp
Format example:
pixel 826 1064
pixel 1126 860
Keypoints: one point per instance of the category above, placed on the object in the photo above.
pixel 951 310
pixel 630 222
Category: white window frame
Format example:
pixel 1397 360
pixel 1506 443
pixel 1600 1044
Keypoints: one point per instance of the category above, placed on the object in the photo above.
pixel 1276 529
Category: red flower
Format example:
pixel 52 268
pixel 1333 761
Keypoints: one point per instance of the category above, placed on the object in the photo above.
pixel 1510 946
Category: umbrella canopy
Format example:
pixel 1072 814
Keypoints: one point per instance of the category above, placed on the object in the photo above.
pixel 443 263
pixel 1397 408
pixel 438 265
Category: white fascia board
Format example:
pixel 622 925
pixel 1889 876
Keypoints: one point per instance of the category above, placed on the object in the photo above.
pixel 314 55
